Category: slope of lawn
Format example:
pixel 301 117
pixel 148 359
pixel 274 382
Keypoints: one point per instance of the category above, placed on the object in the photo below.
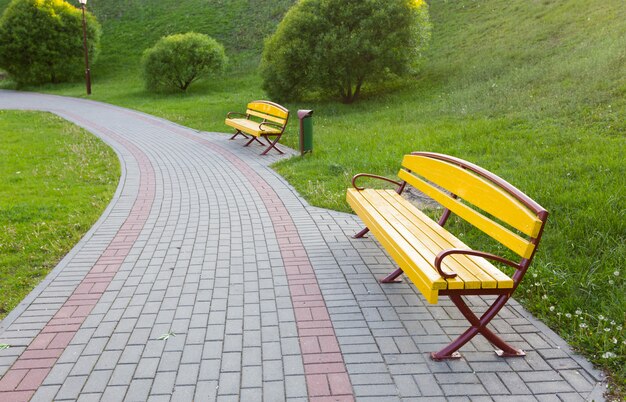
pixel 55 182
pixel 533 91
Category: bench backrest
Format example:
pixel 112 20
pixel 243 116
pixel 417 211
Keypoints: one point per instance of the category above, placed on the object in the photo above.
pixel 479 197
pixel 269 111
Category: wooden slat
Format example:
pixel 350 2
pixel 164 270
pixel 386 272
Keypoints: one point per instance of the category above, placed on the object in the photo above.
pixel 476 190
pixel 427 281
pixel 516 243
pixel 444 240
pixel 472 274
pixel 266 116
pixel 268 108
pixel 420 242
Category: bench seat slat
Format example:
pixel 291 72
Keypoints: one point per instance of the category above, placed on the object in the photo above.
pixel 250 127
pixel 465 266
pixel 428 282
pixel 421 242
pixel 490 275
pixel 476 272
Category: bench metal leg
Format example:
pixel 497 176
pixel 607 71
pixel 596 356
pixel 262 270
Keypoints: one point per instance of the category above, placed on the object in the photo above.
pixel 391 278
pixel 272 144
pixel 478 326
pixel 252 140
pixel 238 133
pixel 362 233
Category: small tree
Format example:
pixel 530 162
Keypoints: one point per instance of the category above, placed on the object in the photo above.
pixel 42 41
pixel 335 46
pixel 178 60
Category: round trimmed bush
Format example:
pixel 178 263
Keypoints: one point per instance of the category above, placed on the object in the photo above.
pixel 335 46
pixel 42 41
pixel 178 60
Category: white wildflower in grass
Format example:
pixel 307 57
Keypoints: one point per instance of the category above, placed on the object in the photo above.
pixel 534 275
pixel 607 329
pixel 611 282
pixel 544 297
pixel 614 340
pixel 612 322
pixel 601 317
pixel 558 314
pixel 551 308
pixel 568 315
pixel 608 355
pixel 583 325
pixel 536 283
pixel 579 312
pixel 619 327
pixel 616 273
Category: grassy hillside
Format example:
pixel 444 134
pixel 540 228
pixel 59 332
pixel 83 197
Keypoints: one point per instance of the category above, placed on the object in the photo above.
pixel 534 91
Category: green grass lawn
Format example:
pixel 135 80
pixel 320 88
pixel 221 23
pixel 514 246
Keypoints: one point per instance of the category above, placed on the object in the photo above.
pixel 55 182
pixel 533 91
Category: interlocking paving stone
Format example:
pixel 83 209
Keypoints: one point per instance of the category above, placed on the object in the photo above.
pixel 269 298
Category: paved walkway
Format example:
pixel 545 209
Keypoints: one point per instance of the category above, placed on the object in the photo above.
pixel 263 296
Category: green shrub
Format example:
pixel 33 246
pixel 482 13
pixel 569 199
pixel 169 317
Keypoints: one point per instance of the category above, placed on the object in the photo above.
pixel 178 60
pixel 42 41
pixel 335 46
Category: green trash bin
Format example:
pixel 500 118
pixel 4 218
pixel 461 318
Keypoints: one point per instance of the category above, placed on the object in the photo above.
pixel 306 131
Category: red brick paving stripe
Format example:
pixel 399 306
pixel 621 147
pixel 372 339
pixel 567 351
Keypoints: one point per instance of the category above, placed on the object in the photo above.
pixel 12 379
pixel 16 396
pixel 29 371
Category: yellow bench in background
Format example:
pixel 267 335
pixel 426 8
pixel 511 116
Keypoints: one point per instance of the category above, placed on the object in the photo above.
pixel 436 261
pixel 262 119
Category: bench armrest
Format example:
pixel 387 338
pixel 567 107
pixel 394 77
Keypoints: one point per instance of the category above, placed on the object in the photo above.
pixel 443 254
pixel 397 183
pixel 271 124
pixel 228 116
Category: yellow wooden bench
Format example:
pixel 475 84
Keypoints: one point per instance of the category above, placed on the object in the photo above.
pixel 262 119
pixel 437 262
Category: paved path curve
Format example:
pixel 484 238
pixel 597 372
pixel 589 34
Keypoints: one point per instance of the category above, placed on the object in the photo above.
pixel 269 298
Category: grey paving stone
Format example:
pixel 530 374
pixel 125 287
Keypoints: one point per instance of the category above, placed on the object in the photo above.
pixel 147 368
pixel 58 374
pixel 45 393
pixel 97 381
pixel 274 391
pixel 139 389
pixel 84 365
pixel 184 393
pixel 514 383
pixel 209 370
pixel 114 393
pixel 229 383
pixel 163 383
pixel 272 370
pixel 427 385
pixel 123 374
pixel 71 387
pixel 89 397
pixel 295 386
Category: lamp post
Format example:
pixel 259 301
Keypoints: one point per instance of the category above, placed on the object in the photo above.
pixel 83 4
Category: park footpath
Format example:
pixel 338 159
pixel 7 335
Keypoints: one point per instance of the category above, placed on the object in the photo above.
pixel 209 278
